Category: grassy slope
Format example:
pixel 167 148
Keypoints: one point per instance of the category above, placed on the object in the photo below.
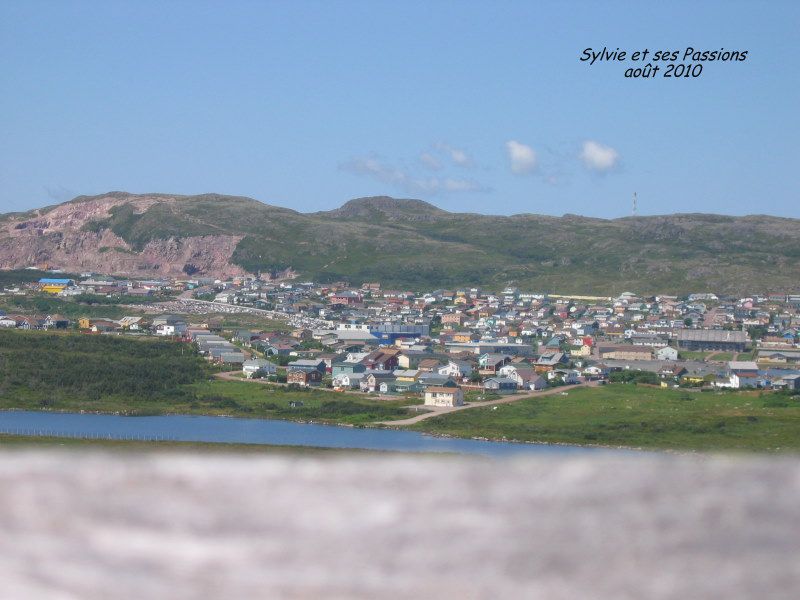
pixel 110 374
pixel 22 442
pixel 414 244
pixel 637 416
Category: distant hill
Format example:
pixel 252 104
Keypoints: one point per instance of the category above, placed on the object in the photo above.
pixel 405 243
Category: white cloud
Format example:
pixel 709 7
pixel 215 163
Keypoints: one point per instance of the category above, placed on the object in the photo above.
pixel 430 161
pixel 402 179
pixel 599 157
pixel 459 157
pixel 522 158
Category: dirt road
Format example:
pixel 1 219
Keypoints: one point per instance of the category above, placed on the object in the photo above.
pixel 436 411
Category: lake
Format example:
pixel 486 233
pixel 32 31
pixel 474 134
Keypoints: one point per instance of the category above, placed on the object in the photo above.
pixel 186 428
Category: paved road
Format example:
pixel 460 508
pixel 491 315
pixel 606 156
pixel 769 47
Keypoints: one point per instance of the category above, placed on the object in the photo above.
pixel 436 411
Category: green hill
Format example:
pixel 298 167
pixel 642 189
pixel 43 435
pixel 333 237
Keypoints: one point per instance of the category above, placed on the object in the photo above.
pixel 411 243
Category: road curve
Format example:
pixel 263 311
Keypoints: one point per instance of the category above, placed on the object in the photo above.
pixel 435 412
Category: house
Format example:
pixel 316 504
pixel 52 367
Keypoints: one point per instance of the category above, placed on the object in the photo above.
pixel 491 363
pixel 381 360
pixel 407 375
pixel 56 322
pixel 168 325
pixel 347 381
pixel 444 396
pixel 8 322
pixel 308 365
pixel 131 323
pixel 347 368
pixel 503 385
pixel 567 376
pixel 102 325
pixel 304 378
pixel 372 380
pixel 235 357
pixel 526 377
pixel 548 362
pixel 584 351
pixel 453 319
pixel 258 367
pixel 789 382
pixel 457 369
pixel 743 373
pixel 594 372
pixel 429 364
pixel 434 379
pixel 667 353
pixel 345 298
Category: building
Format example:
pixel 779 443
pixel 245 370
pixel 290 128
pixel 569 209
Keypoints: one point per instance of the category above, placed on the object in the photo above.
pixel 667 353
pixel 625 352
pixel 444 396
pixel 308 365
pixel 258 367
pixel 744 373
pixel 712 339
pixel 304 378
pixel 54 286
pixel 504 385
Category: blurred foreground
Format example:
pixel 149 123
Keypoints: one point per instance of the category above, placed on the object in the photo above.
pixel 131 525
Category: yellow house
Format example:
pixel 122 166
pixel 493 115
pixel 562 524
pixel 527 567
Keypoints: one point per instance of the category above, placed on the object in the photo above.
pixel 407 375
pixel 582 351
pixel 53 288
pixel 463 337
pixel 84 323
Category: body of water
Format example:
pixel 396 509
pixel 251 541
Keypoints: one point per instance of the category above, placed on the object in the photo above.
pixel 253 431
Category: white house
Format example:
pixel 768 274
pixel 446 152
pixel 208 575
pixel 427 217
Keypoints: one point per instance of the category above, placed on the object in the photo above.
pixel 258 367
pixel 444 396
pixel 456 369
pixel 347 381
pixel 525 376
pixel 667 353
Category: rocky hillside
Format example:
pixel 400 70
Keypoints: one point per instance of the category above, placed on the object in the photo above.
pixel 405 243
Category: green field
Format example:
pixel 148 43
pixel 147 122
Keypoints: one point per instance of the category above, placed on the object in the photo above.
pixel 637 416
pixel 250 399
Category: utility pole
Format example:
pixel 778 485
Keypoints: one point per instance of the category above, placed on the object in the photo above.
pixel 634 204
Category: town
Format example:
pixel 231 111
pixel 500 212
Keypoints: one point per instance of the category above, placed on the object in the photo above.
pixel 439 345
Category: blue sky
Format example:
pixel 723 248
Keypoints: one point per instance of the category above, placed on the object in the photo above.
pixel 474 106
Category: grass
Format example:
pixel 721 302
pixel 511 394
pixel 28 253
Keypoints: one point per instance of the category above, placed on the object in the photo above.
pixel 690 355
pixel 637 416
pixel 230 398
pixel 481 396
pixel 250 399
pixel 37 442
pixel 39 304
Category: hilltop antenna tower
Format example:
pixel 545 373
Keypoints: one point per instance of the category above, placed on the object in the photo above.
pixel 635 208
